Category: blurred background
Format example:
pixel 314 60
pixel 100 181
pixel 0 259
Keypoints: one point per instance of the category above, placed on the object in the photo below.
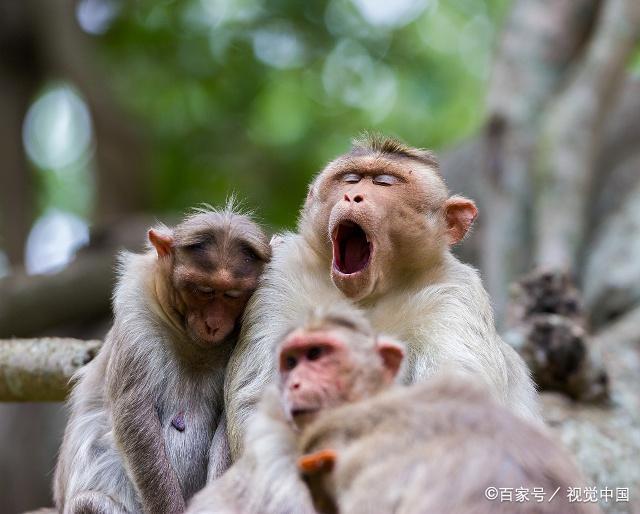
pixel 114 114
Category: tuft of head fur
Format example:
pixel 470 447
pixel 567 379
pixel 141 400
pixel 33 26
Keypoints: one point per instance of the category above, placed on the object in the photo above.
pixel 378 143
pixel 337 316
pixel 234 218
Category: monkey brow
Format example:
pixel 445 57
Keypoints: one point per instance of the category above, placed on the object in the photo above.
pixel 195 239
pixel 345 323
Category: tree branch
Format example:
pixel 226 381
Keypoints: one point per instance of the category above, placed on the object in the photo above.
pixel 571 135
pixel 540 43
pixel 39 370
pixel 31 304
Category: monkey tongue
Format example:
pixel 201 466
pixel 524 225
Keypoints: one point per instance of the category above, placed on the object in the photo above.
pixel 351 250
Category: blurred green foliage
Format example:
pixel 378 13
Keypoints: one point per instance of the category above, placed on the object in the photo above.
pixel 255 96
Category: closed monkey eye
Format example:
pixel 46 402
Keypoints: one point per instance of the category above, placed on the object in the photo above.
pixel 351 178
pixel 385 180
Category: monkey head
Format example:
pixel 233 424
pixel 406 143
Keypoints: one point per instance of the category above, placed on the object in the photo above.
pixel 208 267
pixel 380 214
pixel 334 359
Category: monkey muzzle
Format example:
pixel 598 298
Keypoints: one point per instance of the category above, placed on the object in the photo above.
pixel 302 416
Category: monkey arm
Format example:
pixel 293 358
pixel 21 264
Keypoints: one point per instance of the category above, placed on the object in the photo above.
pixel 138 434
pixel 219 453
pixel 131 387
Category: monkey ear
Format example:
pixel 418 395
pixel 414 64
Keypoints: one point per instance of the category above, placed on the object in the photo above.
pixel 319 462
pixel 392 354
pixel 161 242
pixel 460 213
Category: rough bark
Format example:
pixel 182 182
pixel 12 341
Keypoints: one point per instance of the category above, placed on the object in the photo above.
pixel 39 370
pixel 549 329
pixel 572 133
pixel 605 438
pixel 613 181
pixel 539 44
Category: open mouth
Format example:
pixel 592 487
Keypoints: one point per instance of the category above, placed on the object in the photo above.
pixel 351 248
pixel 301 414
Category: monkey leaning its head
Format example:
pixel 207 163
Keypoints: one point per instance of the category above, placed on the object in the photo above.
pixel 332 360
pixel 209 266
pixel 375 207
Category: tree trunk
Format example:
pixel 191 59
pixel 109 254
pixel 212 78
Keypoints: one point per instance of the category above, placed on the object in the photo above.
pixel 20 75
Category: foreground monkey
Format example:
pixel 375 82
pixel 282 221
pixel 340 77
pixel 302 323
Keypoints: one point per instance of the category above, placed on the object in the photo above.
pixel 144 411
pixel 436 447
pixel 333 359
pixel 376 229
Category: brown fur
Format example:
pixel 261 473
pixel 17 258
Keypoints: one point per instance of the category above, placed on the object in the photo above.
pixel 435 448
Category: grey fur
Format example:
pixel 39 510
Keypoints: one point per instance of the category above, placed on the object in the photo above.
pixel 120 453
pixel 266 479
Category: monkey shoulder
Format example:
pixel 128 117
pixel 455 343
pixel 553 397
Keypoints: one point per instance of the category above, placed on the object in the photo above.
pixel 452 302
pixel 292 284
pixel 133 282
pixel 296 267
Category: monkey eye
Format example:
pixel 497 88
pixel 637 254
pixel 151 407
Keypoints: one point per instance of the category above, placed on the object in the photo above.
pixel 233 293
pixel 204 289
pixel 290 362
pixel 385 180
pixel 351 178
pixel 314 353
pixel 249 254
pixel 195 246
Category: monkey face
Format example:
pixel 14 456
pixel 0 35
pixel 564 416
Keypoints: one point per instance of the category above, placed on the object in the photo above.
pixel 330 366
pixel 214 264
pixel 315 368
pixel 211 315
pixel 383 218
pixel 215 283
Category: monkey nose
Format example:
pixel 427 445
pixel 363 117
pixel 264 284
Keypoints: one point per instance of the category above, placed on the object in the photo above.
pixel 211 330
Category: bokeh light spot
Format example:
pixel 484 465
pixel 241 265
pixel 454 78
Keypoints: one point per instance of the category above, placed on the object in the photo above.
pixel 390 14
pixel 53 241
pixel 57 129
pixel 279 46
pixel 351 75
pixel 96 16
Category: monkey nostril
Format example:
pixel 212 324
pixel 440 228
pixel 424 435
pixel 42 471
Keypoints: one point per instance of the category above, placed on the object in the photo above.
pixel 346 197
pixel 211 330
pixel 295 385
pixel 358 198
